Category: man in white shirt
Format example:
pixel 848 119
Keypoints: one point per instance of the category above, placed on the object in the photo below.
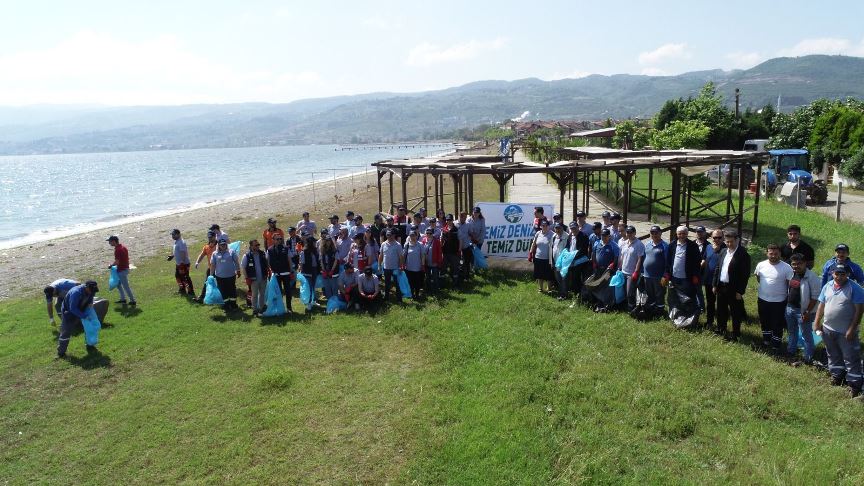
pixel 773 276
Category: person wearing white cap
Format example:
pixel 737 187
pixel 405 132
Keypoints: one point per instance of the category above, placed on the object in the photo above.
pixel 180 255
pixel 225 267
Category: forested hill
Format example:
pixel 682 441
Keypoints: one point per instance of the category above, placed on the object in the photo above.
pixel 381 117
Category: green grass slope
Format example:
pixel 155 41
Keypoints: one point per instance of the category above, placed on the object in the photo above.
pixel 495 384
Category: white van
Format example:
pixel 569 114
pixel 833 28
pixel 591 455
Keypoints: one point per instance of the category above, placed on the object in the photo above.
pixel 756 145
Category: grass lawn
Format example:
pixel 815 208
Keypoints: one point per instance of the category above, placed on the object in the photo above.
pixel 494 384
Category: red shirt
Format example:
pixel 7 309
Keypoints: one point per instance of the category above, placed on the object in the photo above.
pixel 121 257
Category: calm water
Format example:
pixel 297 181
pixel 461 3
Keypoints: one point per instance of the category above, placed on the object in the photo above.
pixel 44 196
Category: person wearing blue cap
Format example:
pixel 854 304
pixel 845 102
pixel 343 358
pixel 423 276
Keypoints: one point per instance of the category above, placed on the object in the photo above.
pixel 838 316
pixel 74 308
pixel 841 257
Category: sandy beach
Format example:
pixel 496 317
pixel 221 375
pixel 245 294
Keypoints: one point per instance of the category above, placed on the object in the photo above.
pixel 29 268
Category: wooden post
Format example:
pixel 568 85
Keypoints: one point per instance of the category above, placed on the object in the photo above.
pixel 455 194
pixel 470 190
pixel 675 202
pixel 573 192
pixel 390 211
pixel 650 193
pixel 689 201
pixel 405 176
pixel 586 192
pixel 839 199
pixel 741 187
pixel 628 183
pixel 501 181
pixel 425 192
pixel 756 205
pixel 380 198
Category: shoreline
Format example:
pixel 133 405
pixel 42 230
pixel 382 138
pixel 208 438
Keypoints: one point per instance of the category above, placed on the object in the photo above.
pixel 29 267
pixel 82 228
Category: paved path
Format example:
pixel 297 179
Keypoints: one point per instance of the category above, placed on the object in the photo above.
pixel 852 208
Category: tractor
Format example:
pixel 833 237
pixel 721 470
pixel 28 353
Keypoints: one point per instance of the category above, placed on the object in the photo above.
pixel 792 165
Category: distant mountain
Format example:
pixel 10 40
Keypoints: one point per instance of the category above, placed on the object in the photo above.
pixel 381 117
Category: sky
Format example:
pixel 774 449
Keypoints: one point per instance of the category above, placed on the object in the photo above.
pixel 189 51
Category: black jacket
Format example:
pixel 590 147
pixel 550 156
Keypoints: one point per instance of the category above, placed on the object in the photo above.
pixel 692 259
pixel 739 269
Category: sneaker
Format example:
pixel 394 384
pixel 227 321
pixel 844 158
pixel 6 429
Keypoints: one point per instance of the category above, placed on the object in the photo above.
pixel 132 303
pixel 121 301
pixel 61 355
pixel 254 313
pixel 855 392
pixel 836 380
pixel 356 306
pixel 91 349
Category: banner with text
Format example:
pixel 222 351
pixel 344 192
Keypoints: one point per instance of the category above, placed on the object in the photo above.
pixel 510 228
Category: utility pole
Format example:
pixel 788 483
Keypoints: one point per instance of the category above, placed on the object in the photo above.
pixel 737 103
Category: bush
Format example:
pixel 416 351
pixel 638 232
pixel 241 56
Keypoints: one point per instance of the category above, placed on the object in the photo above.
pixel 854 166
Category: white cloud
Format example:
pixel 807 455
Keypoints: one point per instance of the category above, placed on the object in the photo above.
pixel 427 54
pixel 92 67
pixel 653 71
pixel 825 45
pixel 666 52
pixel 743 60
pixel 575 74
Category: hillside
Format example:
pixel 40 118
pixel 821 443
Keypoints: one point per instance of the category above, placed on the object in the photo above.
pixel 427 115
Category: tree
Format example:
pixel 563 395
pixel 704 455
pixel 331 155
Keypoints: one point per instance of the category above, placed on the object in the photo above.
pixel 668 113
pixel 679 134
pixel 623 137
pixel 793 130
pixel 709 109
pixel 854 166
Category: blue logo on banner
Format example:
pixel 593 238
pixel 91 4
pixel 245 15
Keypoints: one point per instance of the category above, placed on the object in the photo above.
pixel 513 213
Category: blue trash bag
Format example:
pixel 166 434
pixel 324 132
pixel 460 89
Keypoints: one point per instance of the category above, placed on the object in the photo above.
pixel 564 261
pixel 114 279
pixel 306 294
pixel 336 304
pixel 212 296
pixel 275 304
pixel 91 327
pixel 404 286
pixel 816 339
pixel 479 258
pixel 235 246
pixel 618 282
pixel 319 281
pixel 579 261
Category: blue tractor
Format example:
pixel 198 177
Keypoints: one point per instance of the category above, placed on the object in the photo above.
pixel 792 165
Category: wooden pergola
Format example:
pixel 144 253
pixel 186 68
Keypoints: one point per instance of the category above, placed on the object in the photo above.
pixel 593 168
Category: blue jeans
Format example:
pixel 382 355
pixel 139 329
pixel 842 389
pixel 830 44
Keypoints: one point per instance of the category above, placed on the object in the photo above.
pixel 793 324
pixel 124 285
pixel 331 286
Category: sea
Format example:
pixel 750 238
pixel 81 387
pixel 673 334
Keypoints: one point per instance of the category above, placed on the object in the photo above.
pixel 48 196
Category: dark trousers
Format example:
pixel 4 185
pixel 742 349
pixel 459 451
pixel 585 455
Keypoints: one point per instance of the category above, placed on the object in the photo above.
pixel 432 275
pixel 184 281
pixel 710 305
pixel 577 277
pixel 467 261
pixel 415 281
pixel 451 261
pixel 728 305
pixel 228 288
pixel 68 323
pixel 772 317
pixel 204 286
pixel 286 285
pixel 389 281
pixel 370 304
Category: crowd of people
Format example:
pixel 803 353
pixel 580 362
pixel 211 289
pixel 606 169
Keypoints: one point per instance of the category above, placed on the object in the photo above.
pixel 683 278
pixel 709 274
pixel 348 260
